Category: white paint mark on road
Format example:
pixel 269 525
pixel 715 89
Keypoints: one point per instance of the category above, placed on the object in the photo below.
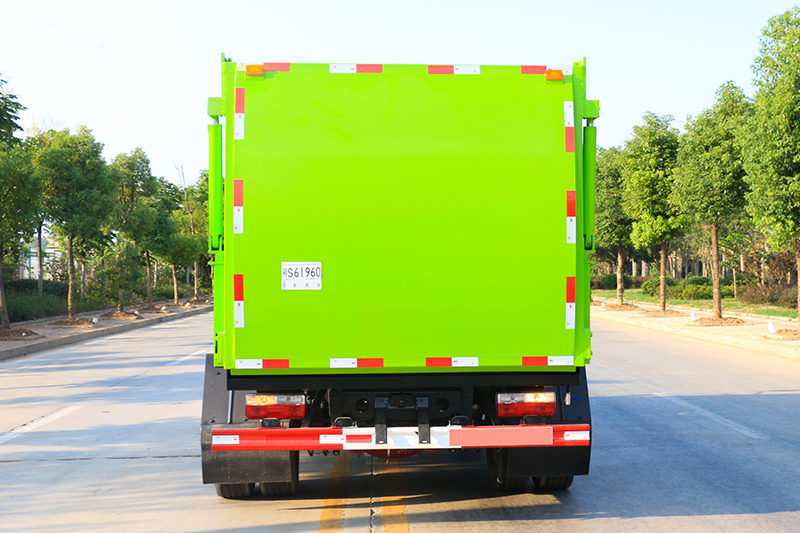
pixel 21 430
pixel 201 351
pixel 712 416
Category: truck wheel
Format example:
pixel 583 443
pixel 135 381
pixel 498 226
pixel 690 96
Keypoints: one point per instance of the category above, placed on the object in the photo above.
pixel 234 491
pixel 284 488
pixel 497 461
pixel 552 483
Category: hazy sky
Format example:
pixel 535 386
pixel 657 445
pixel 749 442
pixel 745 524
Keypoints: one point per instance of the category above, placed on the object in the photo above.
pixel 139 73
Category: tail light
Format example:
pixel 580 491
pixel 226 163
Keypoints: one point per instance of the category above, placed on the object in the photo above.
pixel 519 404
pixel 258 406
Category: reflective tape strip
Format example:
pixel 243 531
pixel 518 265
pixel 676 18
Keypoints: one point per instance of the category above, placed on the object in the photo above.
pixel 451 361
pixel 238 127
pixel 238 314
pixel 342 68
pixel 572 231
pixel 238 206
pixel 258 364
pixel 369 69
pixel 569 126
pixel 277 67
pixel 238 300
pixel 274 363
pixel 352 362
pixel 551 360
pixel 533 69
pixel 570 310
pixel 238 116
pixel 467 69
pixel 224 439
pixel 440 69
pixel 566 71
pixel 576 435
pixel 398 438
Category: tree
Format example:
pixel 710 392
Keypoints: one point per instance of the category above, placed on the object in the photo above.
pixel 9 114
pixel 79 191
pixel 772 140
pixel 709 180
pixel 612 225
pixel 648 168
pixel 195 213
pixel 137 210
pixel 18 192
pixel 183 250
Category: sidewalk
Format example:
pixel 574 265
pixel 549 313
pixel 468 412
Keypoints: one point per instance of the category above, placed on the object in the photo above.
pixel 754 334
pixel 51 336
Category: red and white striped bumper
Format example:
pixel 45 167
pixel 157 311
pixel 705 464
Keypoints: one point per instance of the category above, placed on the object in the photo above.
pixel 405 438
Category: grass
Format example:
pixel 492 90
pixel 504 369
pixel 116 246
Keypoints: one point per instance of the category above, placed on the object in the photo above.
pixel 728 304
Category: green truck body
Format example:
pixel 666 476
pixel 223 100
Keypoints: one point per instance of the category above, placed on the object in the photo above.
pixel 400 221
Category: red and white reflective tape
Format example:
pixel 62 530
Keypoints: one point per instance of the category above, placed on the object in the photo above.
pixel 549 360
pixel 354 68
pixel 454 69
pixel 399 438
pixel 451 361
pixel 238 301
pixel 569 126
pixel 258 364
pixel 572 232
pixel 357 362
pixel 238 206
pixel 238 115
pixel 570 303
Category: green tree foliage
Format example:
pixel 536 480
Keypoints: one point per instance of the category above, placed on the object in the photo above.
pixel 79 191
pixel 9 114
pixel 772 142
pixel 18 193
pixel 709 180
pixel 122 270
pixel 651 156
pixel 612 225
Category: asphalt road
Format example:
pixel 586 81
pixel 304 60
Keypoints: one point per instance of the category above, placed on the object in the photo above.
pixel 103 436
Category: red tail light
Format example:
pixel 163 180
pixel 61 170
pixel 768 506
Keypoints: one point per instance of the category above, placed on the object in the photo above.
pixel 258 406
pixel 519 404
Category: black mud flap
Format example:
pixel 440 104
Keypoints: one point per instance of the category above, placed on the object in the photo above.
pixel 234 466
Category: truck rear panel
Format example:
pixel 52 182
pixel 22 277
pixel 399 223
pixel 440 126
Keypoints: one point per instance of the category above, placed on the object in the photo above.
pixel 393 219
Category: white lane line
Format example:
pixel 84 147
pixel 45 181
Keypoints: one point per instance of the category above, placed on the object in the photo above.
pixel 21 430
pixel 201 351
pixel 744 430
pixel 712 416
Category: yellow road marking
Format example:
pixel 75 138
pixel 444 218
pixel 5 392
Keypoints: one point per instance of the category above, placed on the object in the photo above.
pixel 331 519
pixel 393 502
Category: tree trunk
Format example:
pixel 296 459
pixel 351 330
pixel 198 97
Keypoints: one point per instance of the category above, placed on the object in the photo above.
pixel 120 303
pixel 797 260
pixel 735 292
pixel 196 283
pixel 83 278
pixel 155 273
pixel 149 277
pixel 620 274
pixel 71 272
pixel 188 271
pixel 634 269
pixel 662 289
pixel 715 271
pixel 5 323
pixel 40 283
pixel 103 276
pixel 175 283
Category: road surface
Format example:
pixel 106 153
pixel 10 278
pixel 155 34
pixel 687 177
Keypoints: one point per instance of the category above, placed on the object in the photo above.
pixel 104 436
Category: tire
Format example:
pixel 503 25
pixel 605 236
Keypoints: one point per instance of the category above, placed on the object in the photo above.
pixel 284 488
pixel 552 483
pixel 234 491
pixel 497 462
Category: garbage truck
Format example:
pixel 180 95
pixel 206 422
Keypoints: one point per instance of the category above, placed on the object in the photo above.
pixel 411 273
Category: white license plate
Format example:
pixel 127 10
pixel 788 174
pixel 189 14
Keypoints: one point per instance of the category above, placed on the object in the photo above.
pixel 301 276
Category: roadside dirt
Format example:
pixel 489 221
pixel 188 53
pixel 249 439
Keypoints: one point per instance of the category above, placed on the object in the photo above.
pixel 659 312
pixel 729 321
pixel 15 334
pixel 116 314
pixel 618 307
pixel 74 323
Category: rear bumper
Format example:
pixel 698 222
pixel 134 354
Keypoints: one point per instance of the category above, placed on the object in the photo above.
pixel 233 439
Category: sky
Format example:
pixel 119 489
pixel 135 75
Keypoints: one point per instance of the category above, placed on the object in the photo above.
pixel 139 73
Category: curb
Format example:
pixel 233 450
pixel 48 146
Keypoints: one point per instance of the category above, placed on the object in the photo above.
pixel 49 344
pixel 730 340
